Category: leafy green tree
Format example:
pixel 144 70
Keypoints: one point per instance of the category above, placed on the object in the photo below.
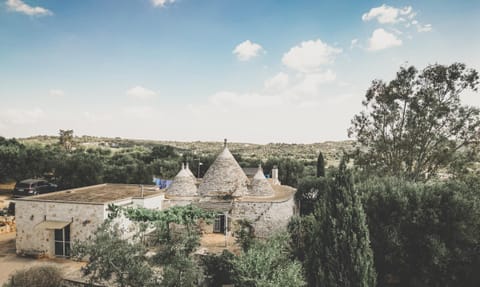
pixel 414 125
pixel 338 243
pixel 424 234
pixel 10 150
pixel 310 190
pixel 320 165
pixel 176 237
pixel 79 168
pixel 266 263
pixel 66 139
pixel 245 234
pixel 113 259
pixel 218 268
pixel 289 170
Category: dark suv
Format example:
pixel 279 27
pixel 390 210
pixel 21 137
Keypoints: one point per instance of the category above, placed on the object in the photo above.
pixel 33 187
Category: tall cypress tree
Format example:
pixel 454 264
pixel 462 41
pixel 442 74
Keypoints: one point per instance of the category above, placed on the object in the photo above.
pixel 340 252
pixel 320 165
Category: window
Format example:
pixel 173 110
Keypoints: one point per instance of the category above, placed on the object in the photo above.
pixel 62 242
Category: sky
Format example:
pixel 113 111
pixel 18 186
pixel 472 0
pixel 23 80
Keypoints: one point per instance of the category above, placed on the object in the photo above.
pixel 186 70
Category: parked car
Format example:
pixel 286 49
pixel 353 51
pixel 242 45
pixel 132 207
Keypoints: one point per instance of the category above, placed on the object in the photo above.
pixel 30 187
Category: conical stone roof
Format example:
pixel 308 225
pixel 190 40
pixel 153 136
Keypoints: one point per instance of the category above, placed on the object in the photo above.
pixel 224 177
pixel 183 184
pixel 260 185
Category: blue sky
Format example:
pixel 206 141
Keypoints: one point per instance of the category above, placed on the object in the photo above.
pixel 251 71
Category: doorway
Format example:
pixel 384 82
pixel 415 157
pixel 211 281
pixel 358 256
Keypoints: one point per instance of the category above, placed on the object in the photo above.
pixel 219 224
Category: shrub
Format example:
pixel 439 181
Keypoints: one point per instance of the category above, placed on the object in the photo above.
pixel 38 276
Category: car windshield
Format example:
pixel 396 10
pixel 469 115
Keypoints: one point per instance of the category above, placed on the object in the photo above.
pixel 23 185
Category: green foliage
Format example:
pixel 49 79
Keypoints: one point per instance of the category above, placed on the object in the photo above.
pixel 267 264
pixel 79 168
pixel 184 215
pixel 218 268
pixel 310 191
pixel 425 234
pixel 320 165
pixel 245 234
pixel 415 125
pixel 289 170
pixel 38 276
pixel 65 139
pixel 114 259
pixel 334 240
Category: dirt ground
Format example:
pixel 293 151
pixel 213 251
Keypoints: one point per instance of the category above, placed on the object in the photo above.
pixel 10 262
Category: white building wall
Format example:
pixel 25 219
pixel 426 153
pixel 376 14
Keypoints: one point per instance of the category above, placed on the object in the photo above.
pixel 85 218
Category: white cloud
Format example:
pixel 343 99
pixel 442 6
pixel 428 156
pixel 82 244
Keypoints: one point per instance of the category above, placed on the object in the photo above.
pixel 247 50
pixel 310 56
pixel 140 92
pixel 21 7
pixel 388 15
pixel 161 3
pixel 354 43
pixel 56 93
pixel 382 39
pixel 13 116
pixel 424 28
pixel 277 83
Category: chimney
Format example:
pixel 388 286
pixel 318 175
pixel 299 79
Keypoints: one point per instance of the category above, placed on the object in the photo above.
pixel 275 175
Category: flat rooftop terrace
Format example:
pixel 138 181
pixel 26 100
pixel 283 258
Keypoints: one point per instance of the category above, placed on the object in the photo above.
pixel 99 194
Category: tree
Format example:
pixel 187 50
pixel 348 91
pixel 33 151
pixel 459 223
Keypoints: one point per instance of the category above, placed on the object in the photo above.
pixel 218 268
pixel 414 125
pixel 114 259
pixel 320 165
pixel 337 238
pixel 310 191
pixel 424 234
pixel 66 139
pixel 10 150
pixel 176 237
pixel 289 170
pixel 266 263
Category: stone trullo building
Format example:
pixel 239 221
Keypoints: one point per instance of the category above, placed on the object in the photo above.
pixel 225 188
pixel 48 224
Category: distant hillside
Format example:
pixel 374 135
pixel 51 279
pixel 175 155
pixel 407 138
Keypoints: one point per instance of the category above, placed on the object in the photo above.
pixel 332 150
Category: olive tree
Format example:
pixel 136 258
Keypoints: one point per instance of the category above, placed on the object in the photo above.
pixel 415 125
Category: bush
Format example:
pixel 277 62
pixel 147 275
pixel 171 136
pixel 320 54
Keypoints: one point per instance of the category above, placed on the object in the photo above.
pixel 38 276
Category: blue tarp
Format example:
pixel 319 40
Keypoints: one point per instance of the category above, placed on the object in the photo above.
pixel 162 183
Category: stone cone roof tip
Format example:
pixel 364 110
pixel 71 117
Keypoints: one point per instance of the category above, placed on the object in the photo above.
pixel 260 185
pixel 183 184
pixel 224 177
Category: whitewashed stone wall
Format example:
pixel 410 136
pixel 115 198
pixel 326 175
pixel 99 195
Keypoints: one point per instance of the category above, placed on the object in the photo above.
pixel 40 242
pixel 267 217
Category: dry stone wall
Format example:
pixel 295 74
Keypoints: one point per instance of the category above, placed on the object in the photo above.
pixel 266 217
pixel 40 242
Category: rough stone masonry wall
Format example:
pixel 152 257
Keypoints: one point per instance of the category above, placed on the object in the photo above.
pixel 40 242
pixel 267 217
